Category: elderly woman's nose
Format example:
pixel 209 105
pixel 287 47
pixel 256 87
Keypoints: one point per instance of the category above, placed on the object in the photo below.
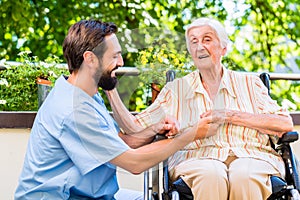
pixel 200 46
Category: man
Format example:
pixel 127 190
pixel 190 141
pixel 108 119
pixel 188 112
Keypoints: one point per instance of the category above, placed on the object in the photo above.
pixel 75 145
pixel 237 160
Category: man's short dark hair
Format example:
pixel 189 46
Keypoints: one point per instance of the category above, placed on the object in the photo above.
pixel 86 35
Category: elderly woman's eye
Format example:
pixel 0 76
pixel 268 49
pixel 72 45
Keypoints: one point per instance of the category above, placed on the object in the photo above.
pixel 194 41
pixel 207 39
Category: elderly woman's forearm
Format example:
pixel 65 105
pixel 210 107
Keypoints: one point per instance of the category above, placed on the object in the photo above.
pixel 275 123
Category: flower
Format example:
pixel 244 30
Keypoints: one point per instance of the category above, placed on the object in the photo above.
pixel 2 101
pixel 3 81
pixel 24 53
pixel 154 61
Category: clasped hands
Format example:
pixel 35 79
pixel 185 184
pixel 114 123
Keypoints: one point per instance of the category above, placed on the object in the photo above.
pixel 206 126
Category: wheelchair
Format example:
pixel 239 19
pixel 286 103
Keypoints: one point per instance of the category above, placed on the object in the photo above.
pixel 282 189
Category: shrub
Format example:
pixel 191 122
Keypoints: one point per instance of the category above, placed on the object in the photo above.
pixel 19 90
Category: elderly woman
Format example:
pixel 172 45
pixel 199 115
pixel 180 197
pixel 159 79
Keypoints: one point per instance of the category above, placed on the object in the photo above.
pixel 235 160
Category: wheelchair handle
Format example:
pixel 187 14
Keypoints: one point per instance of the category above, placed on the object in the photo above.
pixel 289 137
pixel 265 77
pixel 170 75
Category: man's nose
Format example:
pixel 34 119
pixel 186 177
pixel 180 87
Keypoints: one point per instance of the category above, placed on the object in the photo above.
pixel 120 61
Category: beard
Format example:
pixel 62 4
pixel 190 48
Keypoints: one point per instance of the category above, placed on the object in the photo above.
pixel 107 82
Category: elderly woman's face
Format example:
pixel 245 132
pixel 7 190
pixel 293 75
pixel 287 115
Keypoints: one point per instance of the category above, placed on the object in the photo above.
pixel 205 47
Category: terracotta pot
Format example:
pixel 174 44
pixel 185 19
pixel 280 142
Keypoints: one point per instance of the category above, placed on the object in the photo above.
pixel 155 91
pixel 44 87
pixel 43 81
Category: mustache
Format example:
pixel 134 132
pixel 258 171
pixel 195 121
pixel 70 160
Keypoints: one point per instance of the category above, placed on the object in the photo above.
pixel 115 68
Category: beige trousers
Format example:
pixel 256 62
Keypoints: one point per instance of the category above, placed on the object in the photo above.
pixel 234 179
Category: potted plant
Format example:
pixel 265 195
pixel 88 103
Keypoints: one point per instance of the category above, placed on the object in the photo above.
pixel 20 80
pixel 154 62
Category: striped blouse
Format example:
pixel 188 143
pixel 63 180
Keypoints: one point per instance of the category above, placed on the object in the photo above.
pixel 186 99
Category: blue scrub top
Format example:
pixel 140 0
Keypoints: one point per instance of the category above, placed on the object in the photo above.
pixel 71 143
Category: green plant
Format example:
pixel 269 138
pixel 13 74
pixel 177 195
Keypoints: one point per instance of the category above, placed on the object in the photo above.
pixel 19 91
pixel 154 61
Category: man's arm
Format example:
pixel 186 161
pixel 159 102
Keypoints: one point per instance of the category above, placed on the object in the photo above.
pixel 130 124
pixel 138 160
pixel 125 119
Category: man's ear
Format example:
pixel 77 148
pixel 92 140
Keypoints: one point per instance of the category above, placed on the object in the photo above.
pixel 89 57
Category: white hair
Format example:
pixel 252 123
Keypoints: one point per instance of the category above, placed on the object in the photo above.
pixel 214 24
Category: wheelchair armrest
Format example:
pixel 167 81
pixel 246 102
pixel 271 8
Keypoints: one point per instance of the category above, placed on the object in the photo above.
pixel 288 137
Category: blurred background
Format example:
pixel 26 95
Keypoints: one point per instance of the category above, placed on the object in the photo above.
pixel 265 36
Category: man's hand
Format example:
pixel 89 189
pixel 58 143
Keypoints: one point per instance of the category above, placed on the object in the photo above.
pixel 209 123
pixel 219 116
pixel 207 126
pixel 169 126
